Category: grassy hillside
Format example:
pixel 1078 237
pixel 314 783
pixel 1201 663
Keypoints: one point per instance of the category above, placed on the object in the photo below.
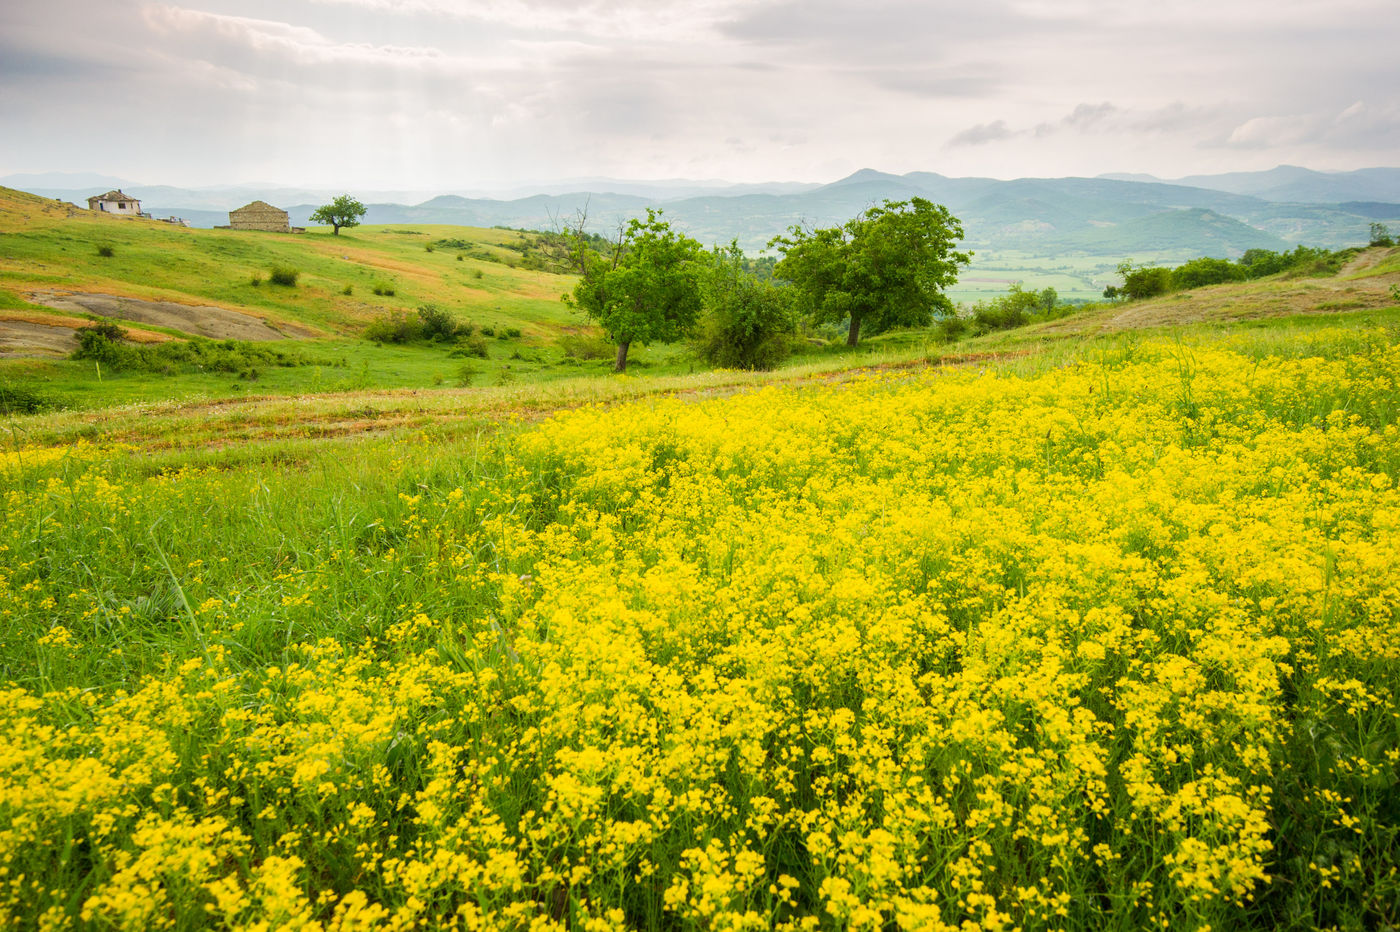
pixel 475 274
pixel 47 247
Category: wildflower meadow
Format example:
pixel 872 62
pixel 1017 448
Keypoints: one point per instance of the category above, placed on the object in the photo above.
pixel 1102 641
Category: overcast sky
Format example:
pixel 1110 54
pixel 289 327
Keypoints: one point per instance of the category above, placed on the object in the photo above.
pixel 467 94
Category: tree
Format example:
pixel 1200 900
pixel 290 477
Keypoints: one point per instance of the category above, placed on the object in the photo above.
pixel 1380 235
pixel 748 320
pixel 344 211
pixel 886 268
pixel 647 290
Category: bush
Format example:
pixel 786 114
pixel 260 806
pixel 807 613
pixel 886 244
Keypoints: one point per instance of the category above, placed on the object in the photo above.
pixel 284 275
pixel 395 327
pixel 1005 312
pixel 585 346
pixel 488 331
pixel 383 289
pixel 106 252
pixel 256 280
pixel 466 373
pixel 105 343
pixel 1205 271
pixel 1257 263
pixel 348 290
pixel 1380 235
pixel 475 345
pixel 16 399
pixel 1143 281
pixel 438 324
pixel 748 323
pixel 952 328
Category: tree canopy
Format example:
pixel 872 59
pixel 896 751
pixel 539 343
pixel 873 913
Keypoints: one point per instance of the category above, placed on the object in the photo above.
pixel 886 268
pixel 647 290
pixel 344 211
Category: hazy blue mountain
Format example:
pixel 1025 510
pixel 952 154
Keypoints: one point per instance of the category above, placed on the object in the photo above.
pixel 1110 215
pixel 1304 185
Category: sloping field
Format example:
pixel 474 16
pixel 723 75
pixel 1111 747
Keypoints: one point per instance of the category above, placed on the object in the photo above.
pixel 215 282
pixel 1092 640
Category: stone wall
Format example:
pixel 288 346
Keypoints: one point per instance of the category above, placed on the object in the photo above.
pixel 260 216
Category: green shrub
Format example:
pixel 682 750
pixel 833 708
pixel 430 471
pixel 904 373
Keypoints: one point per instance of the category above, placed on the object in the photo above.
pixel 748 322
pixel 106 252
pixel 395 327
pixel 585 346
pixel 1005 312
pixel 477 274
pixel 438 324
pixel 1205 271
pixel 1380 235
pixel 488 331
pixel 952 328
pixel 284 275
pixel 348 290
pixel 18 399
pixel 1143 281
pixel 475 345
pixel 383 289
pixel 466 373
pixel 256 280
pixel 105 342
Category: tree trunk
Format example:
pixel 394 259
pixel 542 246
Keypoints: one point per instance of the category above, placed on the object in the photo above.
pixel 622 346
pixel 335 229
pixel 854 335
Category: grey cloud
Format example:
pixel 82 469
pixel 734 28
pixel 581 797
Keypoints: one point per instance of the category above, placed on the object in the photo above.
pixel 938 82
pixel 1087 118
pixel 984 133
pixel 868 31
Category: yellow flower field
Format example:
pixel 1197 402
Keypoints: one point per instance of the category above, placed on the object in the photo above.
pixel 1110 644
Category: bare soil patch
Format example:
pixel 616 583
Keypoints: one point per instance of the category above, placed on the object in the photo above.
pixel 25 338
pixel 217 323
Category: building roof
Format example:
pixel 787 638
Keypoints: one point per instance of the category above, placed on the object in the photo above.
pixel 113 196
pixel 257 206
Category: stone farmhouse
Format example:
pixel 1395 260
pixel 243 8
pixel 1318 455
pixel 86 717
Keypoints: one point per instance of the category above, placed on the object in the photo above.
pixel 115 202
pixel 261 215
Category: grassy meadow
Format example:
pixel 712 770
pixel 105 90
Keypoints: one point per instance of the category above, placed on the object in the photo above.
pixel 1093 624
pixel 476 275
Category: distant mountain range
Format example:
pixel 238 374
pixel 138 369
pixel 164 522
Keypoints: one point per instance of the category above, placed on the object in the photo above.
pixel 1137 215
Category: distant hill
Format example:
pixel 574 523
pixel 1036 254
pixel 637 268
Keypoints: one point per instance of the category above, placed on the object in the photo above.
pixel 1291 183
pixel 1108 215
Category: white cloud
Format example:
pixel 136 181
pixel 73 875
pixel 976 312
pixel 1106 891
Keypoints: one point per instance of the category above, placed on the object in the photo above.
pixel 297 44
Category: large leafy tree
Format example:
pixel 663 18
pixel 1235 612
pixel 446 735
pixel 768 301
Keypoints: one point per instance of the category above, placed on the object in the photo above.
pixel 886 268
pixel 646 289
pixel 344 211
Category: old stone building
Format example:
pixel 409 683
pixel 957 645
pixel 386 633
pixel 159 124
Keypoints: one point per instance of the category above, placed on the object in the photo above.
pixel 115 202
pixel 260 215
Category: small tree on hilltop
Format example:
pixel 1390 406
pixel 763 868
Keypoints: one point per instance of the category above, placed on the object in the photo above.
pixel 647 290
pixel 344 211
pixel 886 268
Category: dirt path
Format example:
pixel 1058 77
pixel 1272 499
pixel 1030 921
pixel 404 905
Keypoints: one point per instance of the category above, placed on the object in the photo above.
pixel 218 323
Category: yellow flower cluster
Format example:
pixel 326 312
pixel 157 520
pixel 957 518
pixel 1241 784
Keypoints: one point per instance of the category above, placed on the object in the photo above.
pixel 1110 644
